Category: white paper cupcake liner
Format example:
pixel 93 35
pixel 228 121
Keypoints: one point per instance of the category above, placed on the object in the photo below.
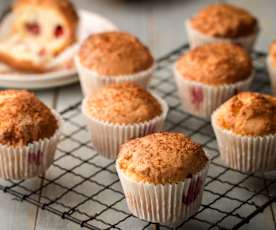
pixel 29 161
pixel 245 153
pixel 196 38
pixel 201 99
pixel 107 137
pixel 91 81
pixel 165 204
pixel 272 75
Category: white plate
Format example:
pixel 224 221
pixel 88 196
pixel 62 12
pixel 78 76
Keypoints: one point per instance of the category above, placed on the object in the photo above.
pixel 89 23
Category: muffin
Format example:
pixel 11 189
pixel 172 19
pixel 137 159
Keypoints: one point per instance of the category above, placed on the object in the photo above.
pixel 168 165
pixel 113 57
pixel 119 112
pixel 222 22
pixel 40 31
pixel 210 74
pixel 271 65
pixel 29 133
pixel 245 127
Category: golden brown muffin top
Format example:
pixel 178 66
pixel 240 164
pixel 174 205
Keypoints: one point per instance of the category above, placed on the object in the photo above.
pixel 215 64
pixel 115 54
pixel 161 158
pixel 272 53
pixel 224 20
pixel 123 103
pixel 249 114
pixel 24 118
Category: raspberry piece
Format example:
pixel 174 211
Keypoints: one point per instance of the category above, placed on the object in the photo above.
pixel 193 191
pixel 33 28
pixel 58 31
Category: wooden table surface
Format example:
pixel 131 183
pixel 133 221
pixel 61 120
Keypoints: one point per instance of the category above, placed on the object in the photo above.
pixel 160 24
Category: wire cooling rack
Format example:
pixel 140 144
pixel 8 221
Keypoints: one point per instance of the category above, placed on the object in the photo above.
pixel 84 188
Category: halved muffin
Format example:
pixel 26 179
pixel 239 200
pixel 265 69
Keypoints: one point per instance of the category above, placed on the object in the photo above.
pixel 40 31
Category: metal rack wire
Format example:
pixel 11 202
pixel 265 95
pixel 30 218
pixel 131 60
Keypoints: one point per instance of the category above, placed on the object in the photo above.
pixel 83 187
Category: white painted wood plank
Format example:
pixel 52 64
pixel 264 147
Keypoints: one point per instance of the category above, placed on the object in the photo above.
pixel 47 96
pixel 261 221
pixel 131 16
pixel 16 215
pixel 48 221
pixel 68 96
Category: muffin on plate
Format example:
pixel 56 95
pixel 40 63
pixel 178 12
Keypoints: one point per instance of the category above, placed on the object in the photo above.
pixel 29 133
pixel 223 22
pixel 210 74
pixel 113 57
pixel 245 127
pixel 162 175
pixel 271 65
pixel 119 112
pixel 40 31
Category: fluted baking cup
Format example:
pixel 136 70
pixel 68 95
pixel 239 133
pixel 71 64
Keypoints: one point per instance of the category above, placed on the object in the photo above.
pixel 164 203
pixel 201 99
pixel 107 137
pixel 196 38
pixel 91 81
pixel 29 161
pixel 245 153
pixel 272 75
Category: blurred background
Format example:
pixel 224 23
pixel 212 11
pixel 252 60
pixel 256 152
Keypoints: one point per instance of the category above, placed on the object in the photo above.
pixel 160 23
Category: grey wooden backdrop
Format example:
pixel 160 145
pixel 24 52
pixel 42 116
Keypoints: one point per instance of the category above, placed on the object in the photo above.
pixel 160 24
